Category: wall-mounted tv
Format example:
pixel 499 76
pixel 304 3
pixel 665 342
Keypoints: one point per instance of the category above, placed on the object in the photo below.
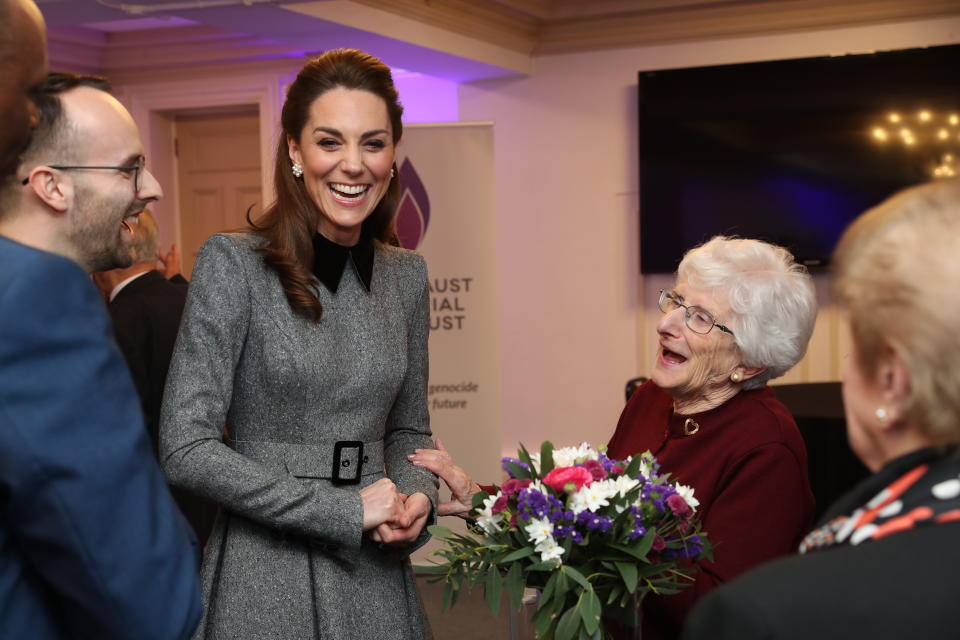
pixel 789 151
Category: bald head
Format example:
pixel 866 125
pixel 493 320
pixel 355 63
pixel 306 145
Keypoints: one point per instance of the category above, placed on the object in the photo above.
pixel 23 65
pixel 82 180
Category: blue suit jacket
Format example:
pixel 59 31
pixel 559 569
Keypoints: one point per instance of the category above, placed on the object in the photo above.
pixel 91 544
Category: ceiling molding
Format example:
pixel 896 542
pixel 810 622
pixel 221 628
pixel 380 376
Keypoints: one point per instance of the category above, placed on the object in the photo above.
pixel 540 27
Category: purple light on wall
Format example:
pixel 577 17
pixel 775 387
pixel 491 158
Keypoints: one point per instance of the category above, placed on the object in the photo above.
pixel 427 98
pixel 413 213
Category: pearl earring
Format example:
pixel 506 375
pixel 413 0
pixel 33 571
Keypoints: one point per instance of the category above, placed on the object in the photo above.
pixel 735 377
pixel 297 170
pixel 881 414
pixel 393 173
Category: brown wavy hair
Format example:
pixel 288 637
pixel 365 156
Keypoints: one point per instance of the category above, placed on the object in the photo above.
pixel 288 225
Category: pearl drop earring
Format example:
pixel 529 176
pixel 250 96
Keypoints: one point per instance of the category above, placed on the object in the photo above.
pixel 881 414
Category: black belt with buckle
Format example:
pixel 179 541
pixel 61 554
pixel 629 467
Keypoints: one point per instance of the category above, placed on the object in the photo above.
pixel 347 468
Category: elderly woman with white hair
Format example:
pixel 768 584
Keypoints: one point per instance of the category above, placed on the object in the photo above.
pixel 741 313
pixel 883 561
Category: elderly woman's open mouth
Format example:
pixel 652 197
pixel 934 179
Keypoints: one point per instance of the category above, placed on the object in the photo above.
pixel 671 357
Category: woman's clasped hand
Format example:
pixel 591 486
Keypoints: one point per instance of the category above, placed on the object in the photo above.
pixel 391 517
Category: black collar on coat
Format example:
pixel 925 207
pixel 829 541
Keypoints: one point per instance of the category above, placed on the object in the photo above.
pixel 330 259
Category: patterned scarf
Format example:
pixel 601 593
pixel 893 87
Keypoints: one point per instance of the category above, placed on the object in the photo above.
pixel 917 490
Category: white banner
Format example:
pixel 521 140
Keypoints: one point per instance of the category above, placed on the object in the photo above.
pixel 447 214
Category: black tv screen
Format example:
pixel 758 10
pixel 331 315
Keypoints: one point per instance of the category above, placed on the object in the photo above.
pixel 789 151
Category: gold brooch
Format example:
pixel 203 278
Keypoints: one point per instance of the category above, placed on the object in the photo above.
pixel 690 427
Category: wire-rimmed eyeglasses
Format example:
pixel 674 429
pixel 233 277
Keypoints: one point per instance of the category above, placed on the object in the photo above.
pixel 697 318
pixel 136 168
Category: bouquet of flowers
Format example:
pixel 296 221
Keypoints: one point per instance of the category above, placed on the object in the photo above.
pixel 593 535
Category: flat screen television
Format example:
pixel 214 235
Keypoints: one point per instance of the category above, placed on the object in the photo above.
pixel 789 151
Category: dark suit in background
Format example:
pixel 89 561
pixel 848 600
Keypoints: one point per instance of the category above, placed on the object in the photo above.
pixel 146 317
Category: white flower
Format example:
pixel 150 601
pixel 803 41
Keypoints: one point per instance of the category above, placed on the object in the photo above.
pixel 623 484
pixel 569 456
pixel 549 551
pixel 687 494
pixel 539 530
pixel 591 498
pixel 646 471
pixel 486 519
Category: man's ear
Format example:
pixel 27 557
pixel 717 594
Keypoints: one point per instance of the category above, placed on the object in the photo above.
pixel 52 188
pixel 893 380
pixel 293 148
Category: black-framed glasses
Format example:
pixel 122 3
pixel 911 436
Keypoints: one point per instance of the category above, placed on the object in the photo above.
pixel 136 168
pixel 697 318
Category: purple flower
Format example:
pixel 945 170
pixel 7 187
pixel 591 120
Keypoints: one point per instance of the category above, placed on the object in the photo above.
pixel 595 522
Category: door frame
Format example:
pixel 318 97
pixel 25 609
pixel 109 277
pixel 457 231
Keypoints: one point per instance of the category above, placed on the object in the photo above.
pixel 154 106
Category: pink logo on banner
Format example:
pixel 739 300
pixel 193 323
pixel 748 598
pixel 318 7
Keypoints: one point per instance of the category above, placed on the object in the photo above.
pixel 413 213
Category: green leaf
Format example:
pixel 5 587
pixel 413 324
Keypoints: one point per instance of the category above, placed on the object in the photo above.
pixel 548 589
pixel 515 585
pixel 628 571
pixel 577 576
pixel 517 471
pixel 493 587
pixel 597 635
pixel 563 585
pixel 446 600
pixel 634 467
pixel 569 622
pixel 590 611
pixel 543 620
pixel 440 532
pixel 640 549
pixel 615 593
pixel 431 568
pixel 478 499
pixel 546 458
pixel 516 555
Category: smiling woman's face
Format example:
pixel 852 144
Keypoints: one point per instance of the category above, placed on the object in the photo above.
pixel 692 366
pixel 346 150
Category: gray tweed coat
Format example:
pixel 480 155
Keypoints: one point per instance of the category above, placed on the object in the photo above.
pixel 256 400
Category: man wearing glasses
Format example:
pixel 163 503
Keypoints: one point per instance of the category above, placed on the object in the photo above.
pixel 91 544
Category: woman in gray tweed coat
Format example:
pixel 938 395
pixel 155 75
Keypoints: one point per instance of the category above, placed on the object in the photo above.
pixel 298 383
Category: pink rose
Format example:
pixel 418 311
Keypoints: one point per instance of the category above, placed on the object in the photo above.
pixel 617 469
pixel 659 544
pixel 595 468
pixel 499 505
pixel 559 478
pixel 679 506
pixel 513 486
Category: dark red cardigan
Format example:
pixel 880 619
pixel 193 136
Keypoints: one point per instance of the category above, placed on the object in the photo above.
pixel 748 467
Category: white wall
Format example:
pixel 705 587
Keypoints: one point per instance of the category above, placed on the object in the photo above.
pixel 575 316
